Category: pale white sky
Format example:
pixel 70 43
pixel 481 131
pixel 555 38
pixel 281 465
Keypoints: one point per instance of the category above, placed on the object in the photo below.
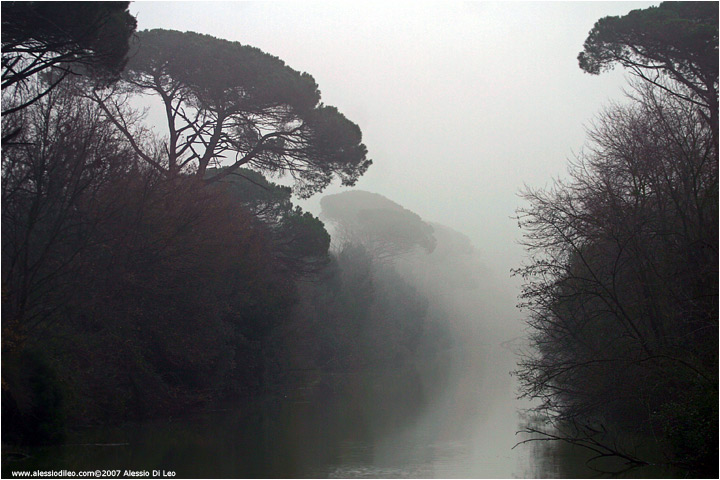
pixel 460 103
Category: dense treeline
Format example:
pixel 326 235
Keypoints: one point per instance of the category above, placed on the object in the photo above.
pixel 622 278
pixel 140 278
pixel 139 293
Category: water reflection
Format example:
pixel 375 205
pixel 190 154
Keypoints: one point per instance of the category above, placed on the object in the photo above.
pixel 562 460
pixel 276 437
pixel 390 425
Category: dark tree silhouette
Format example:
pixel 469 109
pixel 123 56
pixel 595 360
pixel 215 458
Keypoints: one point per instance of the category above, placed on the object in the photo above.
pixel 678 40
pixel 621 286
pixel 300 241
pixel 125 293
pixel 68 37
pixel 67 154
pixel 227 101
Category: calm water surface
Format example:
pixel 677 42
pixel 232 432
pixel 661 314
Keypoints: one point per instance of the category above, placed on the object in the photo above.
pixel 382 426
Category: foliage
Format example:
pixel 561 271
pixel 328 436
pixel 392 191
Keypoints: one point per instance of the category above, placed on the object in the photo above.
pixel 690 422
pixel 300 240
pixel 136 294
pixel 66 155
pixel 621 283
pixel 67 37
pixel 452 263
pixel 675 39
pixel 142 294
pixel 253 107
pixel 132 291
pixel 363 313
pixel 41 420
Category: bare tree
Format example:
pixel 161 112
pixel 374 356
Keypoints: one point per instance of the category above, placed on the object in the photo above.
pixel 65 154
pixel 621 281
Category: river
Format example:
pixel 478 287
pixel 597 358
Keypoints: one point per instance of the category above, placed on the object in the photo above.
pixel 386 427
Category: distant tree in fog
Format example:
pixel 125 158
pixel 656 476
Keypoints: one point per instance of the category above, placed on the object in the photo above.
pixel 383 227
pixel 224 100
pixel 453 263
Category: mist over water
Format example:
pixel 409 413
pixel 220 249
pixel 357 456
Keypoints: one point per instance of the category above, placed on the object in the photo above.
pixel 468 429
pixel 451 412
pixel 289 239
pixel 460 424
pixel 448 410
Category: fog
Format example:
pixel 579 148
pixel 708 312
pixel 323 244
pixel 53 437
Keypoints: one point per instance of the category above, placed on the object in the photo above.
pixel 467 429
pixel 460 103
pixel 384 349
